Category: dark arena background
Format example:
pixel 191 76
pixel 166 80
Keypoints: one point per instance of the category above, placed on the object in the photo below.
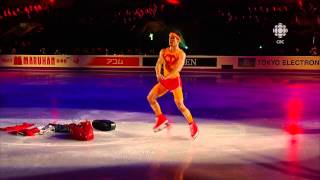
pixel 251 80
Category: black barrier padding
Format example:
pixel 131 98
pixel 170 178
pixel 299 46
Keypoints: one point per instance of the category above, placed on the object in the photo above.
pixel 149 61
pixel 200 62
pixel 227 67
pixel 190 62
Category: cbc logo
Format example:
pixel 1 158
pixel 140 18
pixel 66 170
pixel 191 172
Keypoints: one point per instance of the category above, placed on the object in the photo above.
pixel 280 30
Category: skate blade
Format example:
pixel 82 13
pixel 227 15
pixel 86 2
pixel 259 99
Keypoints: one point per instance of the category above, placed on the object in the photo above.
pixel 162 126
pixel 195 136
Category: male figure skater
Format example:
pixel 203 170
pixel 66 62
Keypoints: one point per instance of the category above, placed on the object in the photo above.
pixel 171 59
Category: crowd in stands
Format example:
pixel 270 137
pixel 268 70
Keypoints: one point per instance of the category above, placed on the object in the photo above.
pixel 223 30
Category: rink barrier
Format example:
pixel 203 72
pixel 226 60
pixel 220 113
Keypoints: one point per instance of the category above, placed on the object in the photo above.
pixel 306 63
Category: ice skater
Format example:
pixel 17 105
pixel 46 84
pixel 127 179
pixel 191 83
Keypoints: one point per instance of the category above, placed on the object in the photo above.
pixel 171 59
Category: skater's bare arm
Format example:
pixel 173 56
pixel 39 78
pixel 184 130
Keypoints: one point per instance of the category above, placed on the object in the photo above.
pixel 159 66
